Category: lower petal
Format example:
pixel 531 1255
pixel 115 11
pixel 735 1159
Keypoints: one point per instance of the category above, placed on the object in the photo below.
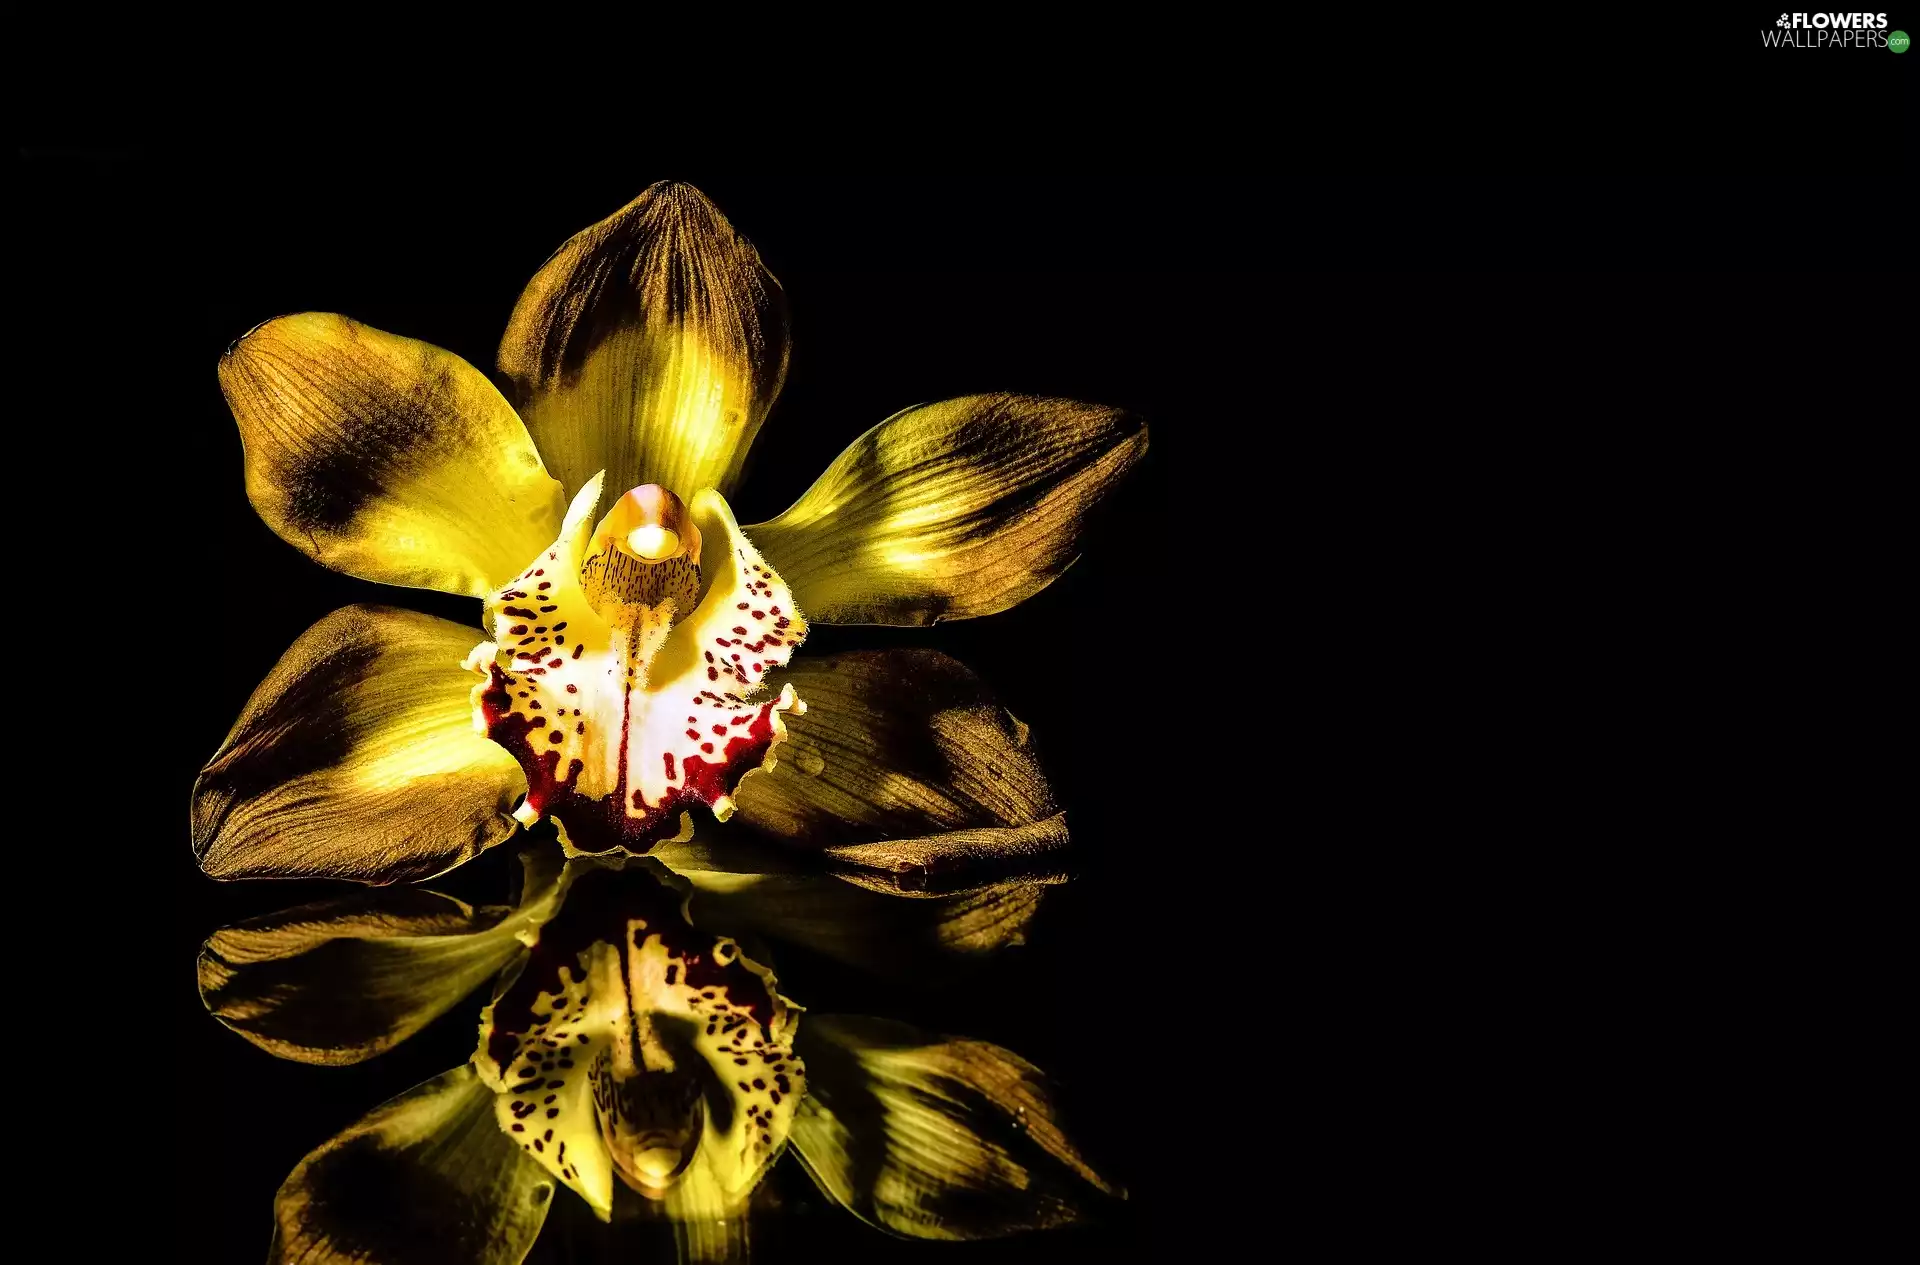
pixel 894 744
pixel 421 1180
pixel 356 759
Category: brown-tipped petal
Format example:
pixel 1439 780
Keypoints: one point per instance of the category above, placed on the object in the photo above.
pixel 340 981
pixel 650 346
pixel 425 1179
pixel 386 458
pixel 957 860
pixel 950 510
pixel 357 759
pixel 935 1137
pixel 897 744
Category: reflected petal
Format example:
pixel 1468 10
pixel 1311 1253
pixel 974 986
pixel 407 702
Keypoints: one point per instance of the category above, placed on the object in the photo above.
pixel 935 1137
pixel 340 981
pixel 422 1180
pixel 741 890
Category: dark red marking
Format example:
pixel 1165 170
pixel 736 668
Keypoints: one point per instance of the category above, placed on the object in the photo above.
pixel 601 825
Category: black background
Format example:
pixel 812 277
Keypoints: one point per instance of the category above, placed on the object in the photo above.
pixel 1486 486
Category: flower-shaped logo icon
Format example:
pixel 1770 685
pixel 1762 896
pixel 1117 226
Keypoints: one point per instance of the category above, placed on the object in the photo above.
pixel 1782 21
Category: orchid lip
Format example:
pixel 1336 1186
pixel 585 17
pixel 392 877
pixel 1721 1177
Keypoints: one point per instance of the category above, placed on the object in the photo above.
pixel 629 688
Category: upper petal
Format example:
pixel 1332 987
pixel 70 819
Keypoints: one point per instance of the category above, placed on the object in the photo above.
pixel 950 510
pixel 386 458
pixel 424 1179
pixel 935 1137
pixel 356 758
pixel 650 346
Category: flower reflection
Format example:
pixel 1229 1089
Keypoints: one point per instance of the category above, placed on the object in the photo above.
pixel 637 1057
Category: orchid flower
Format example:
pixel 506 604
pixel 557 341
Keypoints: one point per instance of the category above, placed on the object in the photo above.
pixel 638 657
pixel 632 1055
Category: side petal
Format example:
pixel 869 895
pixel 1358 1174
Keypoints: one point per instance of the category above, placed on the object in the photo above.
pixel 935 1137
pixel 650 346
pixel 423 1179
pixel 356 758
pixel 896 744
pixel 340 981
pixel 950 510
pixel 386 458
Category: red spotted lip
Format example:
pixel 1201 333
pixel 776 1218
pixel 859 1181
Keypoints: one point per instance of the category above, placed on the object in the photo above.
pixel 599 825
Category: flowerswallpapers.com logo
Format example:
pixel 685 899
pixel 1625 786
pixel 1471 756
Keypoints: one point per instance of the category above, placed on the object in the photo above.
pixel 1834 30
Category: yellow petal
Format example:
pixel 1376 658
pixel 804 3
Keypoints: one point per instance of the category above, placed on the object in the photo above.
pixel 951 510
pixel 895 744
pixel 935 1137
pixel 356 759
pixel 650 346
pixel 424 1178
pixel 386 458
